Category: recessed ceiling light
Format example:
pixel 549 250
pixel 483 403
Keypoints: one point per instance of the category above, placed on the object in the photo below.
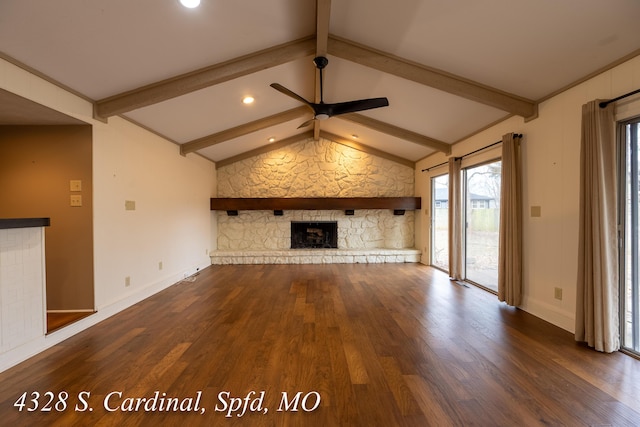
pixel 272 139
pixel 354 136
pixel 248 100
pixel 190 3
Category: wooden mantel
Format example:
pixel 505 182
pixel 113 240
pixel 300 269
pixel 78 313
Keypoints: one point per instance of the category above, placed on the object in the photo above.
pixel 315 203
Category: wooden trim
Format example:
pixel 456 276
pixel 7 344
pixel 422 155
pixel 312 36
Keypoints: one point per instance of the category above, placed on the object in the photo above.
pixel 242 130
pixel 367 149
pixel 591 75
pixel 310 134
pixel 398 132
pixel 314 203
pixel 432 77
pixel 13 61
pixel 204 77
pixel 265 149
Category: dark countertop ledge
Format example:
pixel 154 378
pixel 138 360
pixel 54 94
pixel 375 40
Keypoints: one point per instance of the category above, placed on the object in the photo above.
pixel 24 222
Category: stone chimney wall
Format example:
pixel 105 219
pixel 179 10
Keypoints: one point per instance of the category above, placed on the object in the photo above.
pixel 315 169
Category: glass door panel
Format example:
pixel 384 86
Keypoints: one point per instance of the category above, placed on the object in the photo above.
pixel 482 214
pixel 440 222
pixel 630 257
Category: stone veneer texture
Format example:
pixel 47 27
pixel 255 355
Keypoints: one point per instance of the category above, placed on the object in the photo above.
pixel 315 169
pixel 366 229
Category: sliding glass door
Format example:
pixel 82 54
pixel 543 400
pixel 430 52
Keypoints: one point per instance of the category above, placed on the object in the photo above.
pixel 630 255
pixel 440 222
pixel 481 210
pixel 482 215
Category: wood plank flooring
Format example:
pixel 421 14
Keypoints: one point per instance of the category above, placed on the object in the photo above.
pixel 56 321
pixel 380 344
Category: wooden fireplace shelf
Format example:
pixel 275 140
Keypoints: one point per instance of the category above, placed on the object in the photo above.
pixel 315 203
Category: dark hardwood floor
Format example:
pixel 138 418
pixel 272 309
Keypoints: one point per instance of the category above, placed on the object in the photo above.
pixel 381 345
pixel 56 321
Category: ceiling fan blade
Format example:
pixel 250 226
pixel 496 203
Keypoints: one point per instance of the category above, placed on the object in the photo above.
pixel 359 105
pixel 290 93
pixel 307 123
pixel 322 111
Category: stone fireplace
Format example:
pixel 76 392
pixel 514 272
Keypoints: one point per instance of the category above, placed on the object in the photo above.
pixel 312 168
pixel 314 235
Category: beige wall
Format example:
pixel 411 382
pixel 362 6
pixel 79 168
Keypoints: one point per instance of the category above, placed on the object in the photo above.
pixel 172 222
pixel 551 172
pixel 36 165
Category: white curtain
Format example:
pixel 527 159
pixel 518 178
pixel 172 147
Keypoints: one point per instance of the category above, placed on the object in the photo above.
pixel 456 254
pixel 510 247
pixel 597 321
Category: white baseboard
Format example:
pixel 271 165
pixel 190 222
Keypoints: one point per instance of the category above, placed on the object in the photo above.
pixel 19 354
pixel 547 312
pixel 552 314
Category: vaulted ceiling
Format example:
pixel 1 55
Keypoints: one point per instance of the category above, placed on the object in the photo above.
pixel 448 68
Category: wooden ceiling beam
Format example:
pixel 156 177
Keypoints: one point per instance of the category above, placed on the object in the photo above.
pixel 367 149
pixel 309 134
pixel 431 77
pixel 205 77
pixel 264 149
pixel 323 17
pixel 238 131
pixel 398 132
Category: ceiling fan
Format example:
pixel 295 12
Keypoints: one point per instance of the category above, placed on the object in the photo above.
pixel 322 111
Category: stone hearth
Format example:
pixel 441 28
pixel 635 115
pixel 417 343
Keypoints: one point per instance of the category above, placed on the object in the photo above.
pixel 316 256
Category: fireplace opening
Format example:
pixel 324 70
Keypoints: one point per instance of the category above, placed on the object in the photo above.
pixel 310 235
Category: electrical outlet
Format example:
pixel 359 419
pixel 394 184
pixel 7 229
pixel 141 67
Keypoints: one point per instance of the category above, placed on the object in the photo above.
pixel 127 281
pixel 160 265
pixel 557 293
pixel 75 200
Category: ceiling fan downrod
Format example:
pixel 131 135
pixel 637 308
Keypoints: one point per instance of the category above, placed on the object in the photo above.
pixel 321 62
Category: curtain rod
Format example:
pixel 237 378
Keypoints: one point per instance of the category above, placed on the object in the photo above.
pixel 516 135
pixel 605 103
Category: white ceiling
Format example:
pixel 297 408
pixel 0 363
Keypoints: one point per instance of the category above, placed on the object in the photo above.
pixel 528 49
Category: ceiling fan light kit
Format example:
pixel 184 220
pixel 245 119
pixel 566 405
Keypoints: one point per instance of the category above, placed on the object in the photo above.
pixel 322 110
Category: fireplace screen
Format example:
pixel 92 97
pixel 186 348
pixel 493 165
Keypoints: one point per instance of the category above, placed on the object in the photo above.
pixel 307 235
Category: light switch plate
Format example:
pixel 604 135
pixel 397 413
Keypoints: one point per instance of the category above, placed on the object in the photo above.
pixel 130 205
pixel 75 185
pixel 536 211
